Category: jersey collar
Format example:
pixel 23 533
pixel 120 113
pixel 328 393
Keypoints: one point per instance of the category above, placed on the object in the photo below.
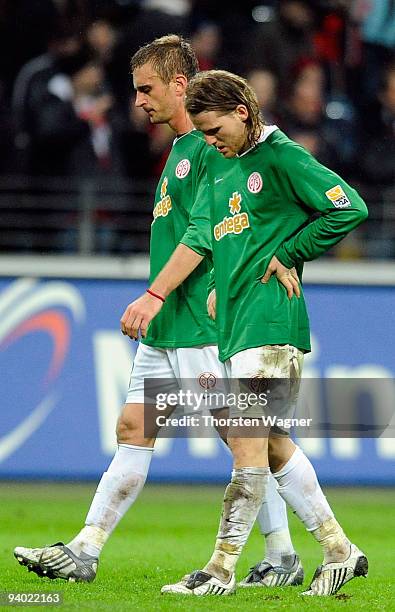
pixel 177 138
pixel 267 130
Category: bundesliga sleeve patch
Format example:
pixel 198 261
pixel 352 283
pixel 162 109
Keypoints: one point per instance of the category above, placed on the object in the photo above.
pixel 337 196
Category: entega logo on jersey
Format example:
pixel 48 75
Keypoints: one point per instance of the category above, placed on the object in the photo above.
pixel 337 196
pixel 163 207
pixel 232 225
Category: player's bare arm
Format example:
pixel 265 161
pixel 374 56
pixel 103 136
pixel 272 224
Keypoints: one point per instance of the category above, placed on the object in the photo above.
pixel 140 313
pixel 287 277
pixel 211 304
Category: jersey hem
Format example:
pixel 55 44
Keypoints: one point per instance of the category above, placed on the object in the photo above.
pixel 171 345
pixel 228 355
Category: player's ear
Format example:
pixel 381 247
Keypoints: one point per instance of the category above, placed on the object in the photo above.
pixel 181 83
pixel 242 112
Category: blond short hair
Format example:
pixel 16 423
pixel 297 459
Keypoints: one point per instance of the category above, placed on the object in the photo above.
pixel 168 55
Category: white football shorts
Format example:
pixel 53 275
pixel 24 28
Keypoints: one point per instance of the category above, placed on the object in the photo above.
pixel 269 361
pixel 271 369
pixel 196 369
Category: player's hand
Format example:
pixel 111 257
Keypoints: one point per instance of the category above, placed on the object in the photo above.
pixel 212 304
pixel 139 314
pixel 288 278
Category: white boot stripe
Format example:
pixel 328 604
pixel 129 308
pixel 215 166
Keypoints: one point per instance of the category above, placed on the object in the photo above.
pixel 54 563
pixel 57 561
pixel 52 558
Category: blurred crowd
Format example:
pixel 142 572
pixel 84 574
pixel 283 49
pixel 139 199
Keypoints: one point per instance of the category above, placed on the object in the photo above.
pixel 324 71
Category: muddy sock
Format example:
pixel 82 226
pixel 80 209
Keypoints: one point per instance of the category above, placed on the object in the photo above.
pixel 242 500
pixel 118 488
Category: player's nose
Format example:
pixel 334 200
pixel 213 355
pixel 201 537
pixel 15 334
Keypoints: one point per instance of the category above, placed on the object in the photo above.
pixel 140 99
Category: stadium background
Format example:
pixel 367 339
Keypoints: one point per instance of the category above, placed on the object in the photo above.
pixel 78 166
pixel 63 333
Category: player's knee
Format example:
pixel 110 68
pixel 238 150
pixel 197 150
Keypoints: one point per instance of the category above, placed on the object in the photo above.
pixel 245 452
pixel 128 433
pixel 130 429
pixel 123 430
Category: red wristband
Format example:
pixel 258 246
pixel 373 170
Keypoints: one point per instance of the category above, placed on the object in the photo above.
pixel 162 299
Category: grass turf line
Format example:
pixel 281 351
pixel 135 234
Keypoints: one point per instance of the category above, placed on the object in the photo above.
pixel 171 531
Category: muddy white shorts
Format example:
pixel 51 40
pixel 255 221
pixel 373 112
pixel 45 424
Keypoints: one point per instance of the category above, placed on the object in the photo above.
pixel 272 373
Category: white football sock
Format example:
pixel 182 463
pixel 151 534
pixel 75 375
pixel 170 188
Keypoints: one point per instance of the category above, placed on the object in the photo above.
pixel 242 500
pixel 118 488
pixel 273 524
pixel 335 544
pixel 298 485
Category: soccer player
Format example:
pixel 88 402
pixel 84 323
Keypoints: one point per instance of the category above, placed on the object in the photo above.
pixel 262 193
pixel 180 342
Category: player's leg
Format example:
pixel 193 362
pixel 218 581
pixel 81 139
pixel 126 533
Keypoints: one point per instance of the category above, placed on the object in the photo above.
pixel 299 487
pixel 281 565
pixel 118 488
pixel 242 500
pixel 120 485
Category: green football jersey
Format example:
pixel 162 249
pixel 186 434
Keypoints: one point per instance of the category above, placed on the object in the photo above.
pixel 261 204
pixel 183 320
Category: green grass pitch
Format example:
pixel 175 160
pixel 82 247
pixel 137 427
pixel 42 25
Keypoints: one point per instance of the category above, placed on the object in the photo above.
pixel 171 530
